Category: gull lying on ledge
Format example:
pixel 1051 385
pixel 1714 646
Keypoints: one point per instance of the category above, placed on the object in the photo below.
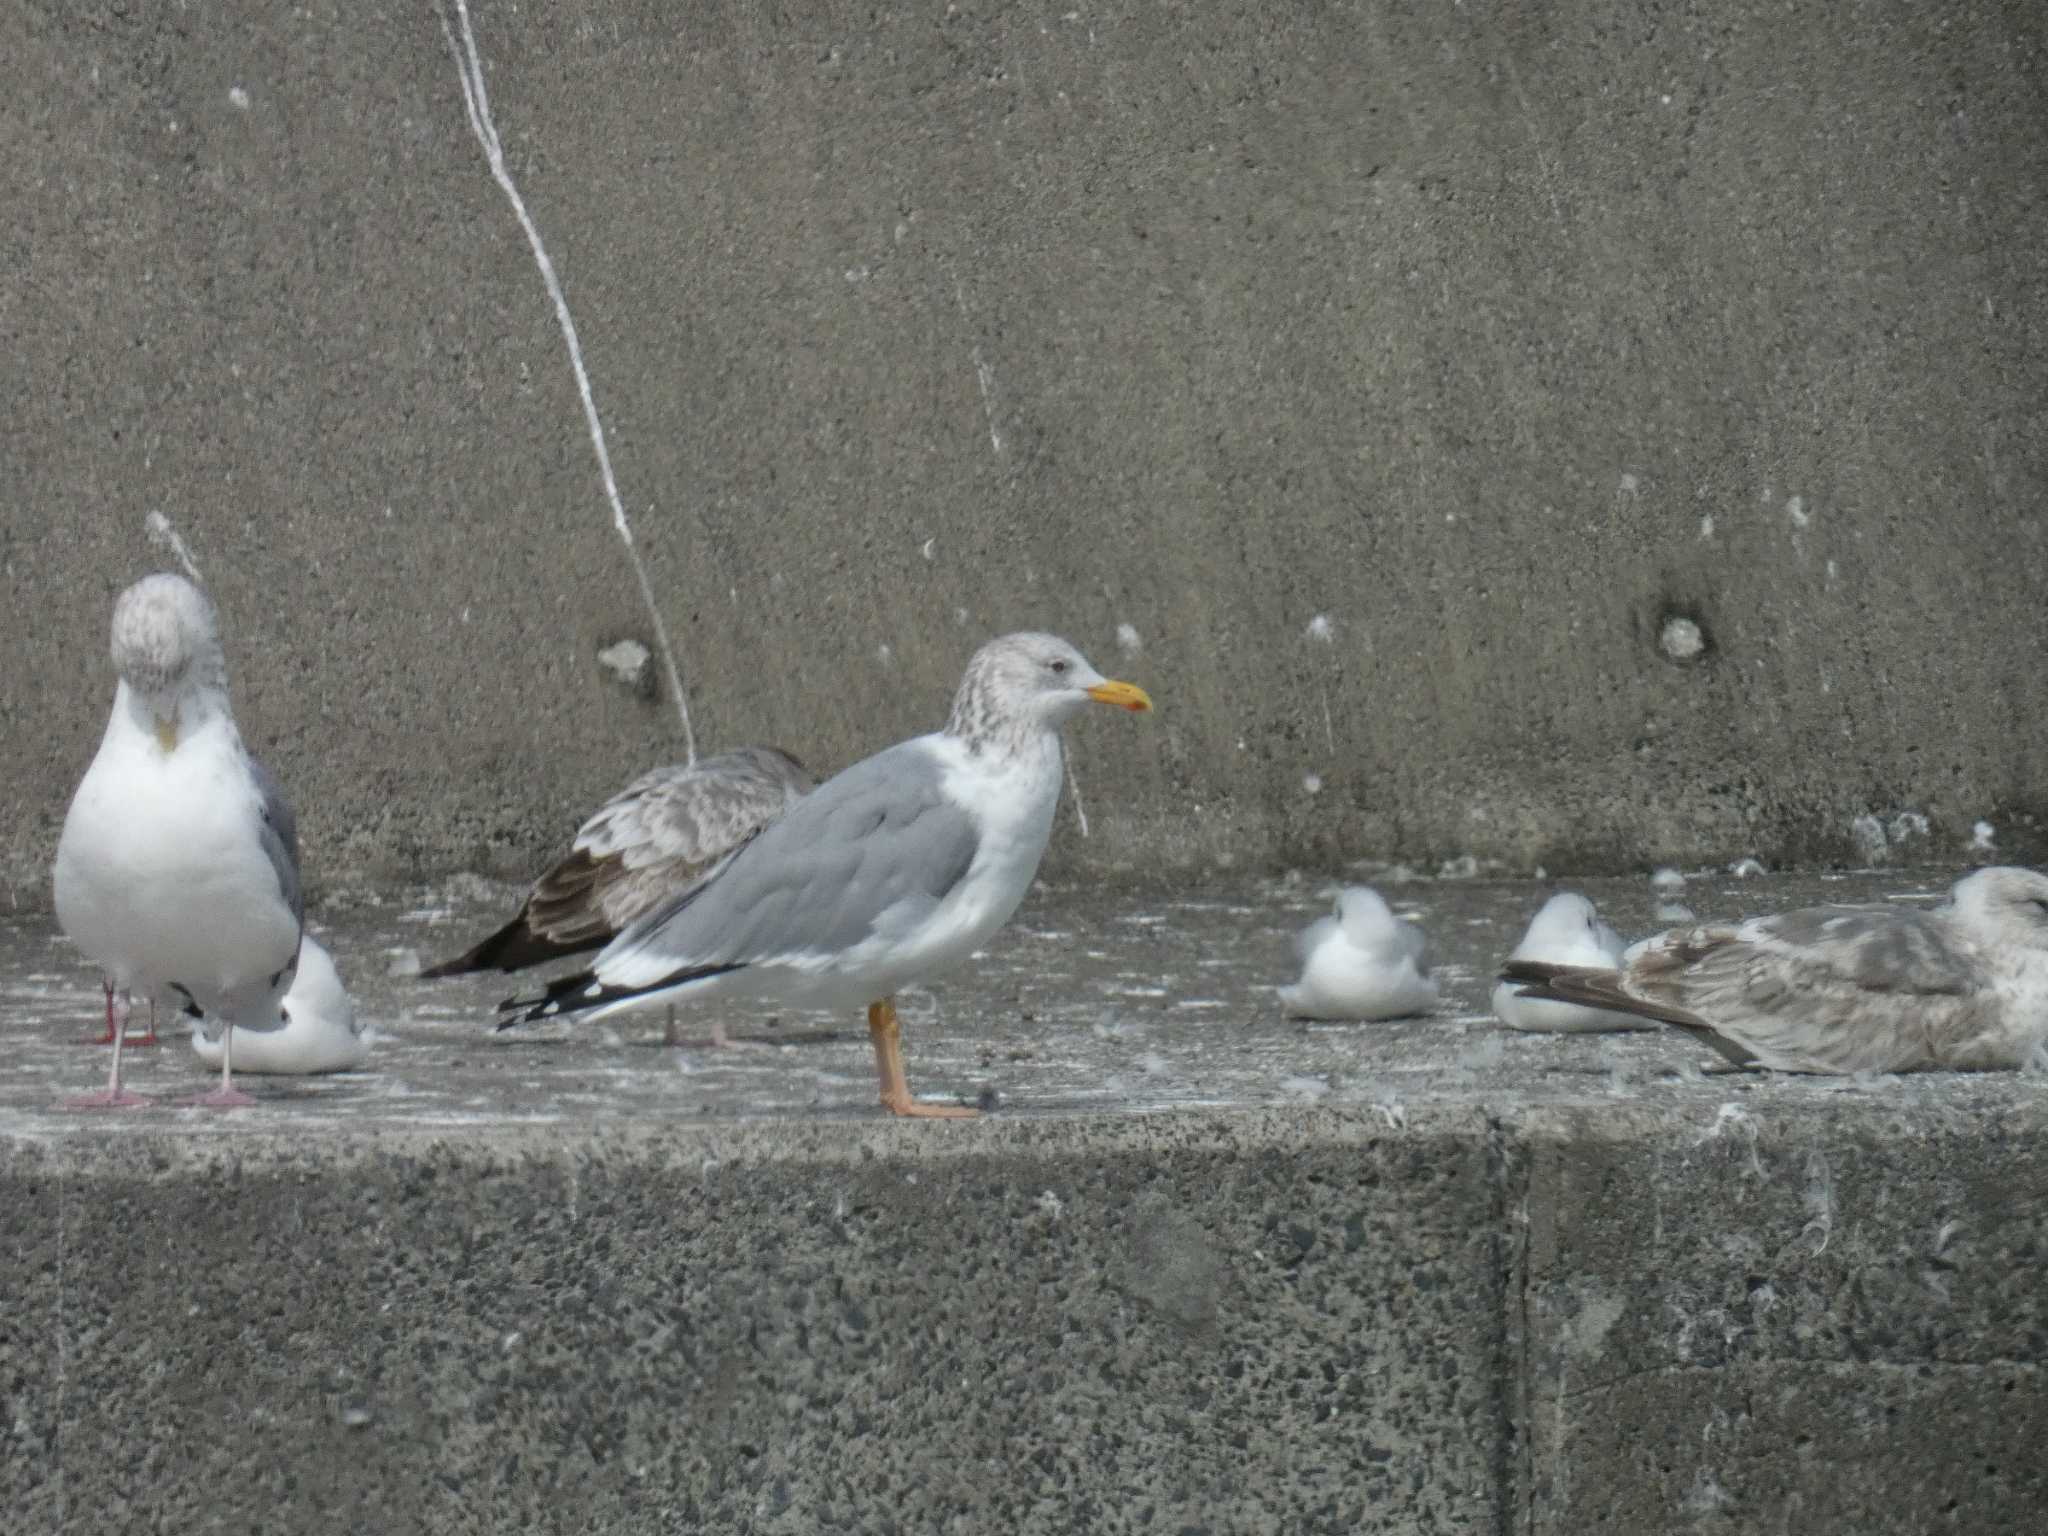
pixel 316 1029
pixel 892 872
pixel 1362 962
pixel 1961 987
pixel 1567 932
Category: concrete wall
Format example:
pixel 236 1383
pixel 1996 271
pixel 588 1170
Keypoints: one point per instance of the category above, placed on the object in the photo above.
pixel 1515 1319
pixel 1496 335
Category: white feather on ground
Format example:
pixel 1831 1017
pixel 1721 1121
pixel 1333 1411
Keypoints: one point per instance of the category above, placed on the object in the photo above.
pixel 1362 962
pixel 1567 931
pixel 317 1029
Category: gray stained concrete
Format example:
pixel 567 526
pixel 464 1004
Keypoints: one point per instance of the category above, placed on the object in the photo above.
pixel 1507 340
pixel 1201 1269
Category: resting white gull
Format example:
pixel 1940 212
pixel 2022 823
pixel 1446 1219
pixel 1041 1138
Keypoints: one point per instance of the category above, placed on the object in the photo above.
pixel 316 1029
pixel 178 869
pixel 655 841
pixel 1569 932
pixel 1843 989
pixel 890 873
pixel 1362 962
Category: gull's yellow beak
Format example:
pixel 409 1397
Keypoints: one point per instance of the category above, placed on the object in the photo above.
pixel 1124 695
pixel 167 734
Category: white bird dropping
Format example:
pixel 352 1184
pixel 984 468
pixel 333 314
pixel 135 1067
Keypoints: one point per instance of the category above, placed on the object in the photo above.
pixel 1360 963
pixel 1567 931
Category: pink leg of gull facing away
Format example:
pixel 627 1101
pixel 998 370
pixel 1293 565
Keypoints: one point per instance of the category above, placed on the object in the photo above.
pixel 227 1095
pixel 114 1096
pixel 106 1037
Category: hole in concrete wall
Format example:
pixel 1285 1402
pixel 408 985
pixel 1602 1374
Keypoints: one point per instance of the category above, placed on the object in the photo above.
pixel 627 662
pixel 1682 638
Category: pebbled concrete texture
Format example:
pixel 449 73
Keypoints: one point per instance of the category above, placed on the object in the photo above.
pixel 1200 1269
pixel 1828 1318
pixel 1498 338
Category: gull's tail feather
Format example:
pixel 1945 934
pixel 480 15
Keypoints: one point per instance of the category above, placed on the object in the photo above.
pixel 1597 987
pixel 582 992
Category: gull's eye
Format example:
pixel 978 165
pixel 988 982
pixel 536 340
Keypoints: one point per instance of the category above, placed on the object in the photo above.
pixel 1059 666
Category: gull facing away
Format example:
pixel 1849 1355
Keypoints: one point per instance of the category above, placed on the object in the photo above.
pixel 178 869
pixel 654 841
pixel 1361 962
pixel 316 1029
pixel 1567 931
pixel 1961 987
pixel 897 869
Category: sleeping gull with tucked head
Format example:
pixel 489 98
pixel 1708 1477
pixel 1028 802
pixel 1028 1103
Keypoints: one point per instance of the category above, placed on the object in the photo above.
pixel 1841 989
pixel 892 872
pixel 653 842
pixel 316 1029
pixel 1360 962
pixel 1569 932
pixel 178 869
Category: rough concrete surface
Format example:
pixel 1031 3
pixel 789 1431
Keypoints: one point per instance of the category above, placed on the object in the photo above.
pixel 1201 1269
pixel 1497 337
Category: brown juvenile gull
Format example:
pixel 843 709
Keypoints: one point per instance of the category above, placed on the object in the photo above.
pixel 1961 987
pixel 178 869
pixel 657 839
pixel 895 870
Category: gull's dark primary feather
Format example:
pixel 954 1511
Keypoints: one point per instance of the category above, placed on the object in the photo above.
pixel 1592 987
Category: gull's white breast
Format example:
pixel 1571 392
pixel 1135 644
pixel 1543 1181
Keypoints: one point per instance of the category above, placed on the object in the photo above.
pixel 161 875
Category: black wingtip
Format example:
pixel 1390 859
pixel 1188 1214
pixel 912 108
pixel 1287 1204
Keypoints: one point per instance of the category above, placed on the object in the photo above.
pixel 568 996
pixel 555 998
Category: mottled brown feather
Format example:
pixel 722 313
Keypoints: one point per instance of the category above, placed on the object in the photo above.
pixel 662 835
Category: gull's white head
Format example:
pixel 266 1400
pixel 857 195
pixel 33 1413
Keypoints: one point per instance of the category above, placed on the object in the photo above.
pixel 2004 905
pixel 1566 921
pixel 1364 913
pixel 1021 683
pixel 166 644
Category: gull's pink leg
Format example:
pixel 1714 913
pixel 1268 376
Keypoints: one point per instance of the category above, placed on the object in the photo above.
pixel 150 1038
pixel 227 1095
pixel 108 1037
pixel 115 1096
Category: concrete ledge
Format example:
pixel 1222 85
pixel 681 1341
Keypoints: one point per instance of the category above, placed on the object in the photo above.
pixel 1301 1320
pixel 1418 1277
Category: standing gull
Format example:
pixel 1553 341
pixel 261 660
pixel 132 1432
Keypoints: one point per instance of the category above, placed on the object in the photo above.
pixel 656 840
pixel 1569 932
pixel 895 870
pixel 178 869
pixel 316 1029
pixel 1841 989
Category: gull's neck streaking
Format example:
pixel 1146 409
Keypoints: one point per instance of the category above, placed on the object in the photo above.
pixel 175 714
pixel 987 723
